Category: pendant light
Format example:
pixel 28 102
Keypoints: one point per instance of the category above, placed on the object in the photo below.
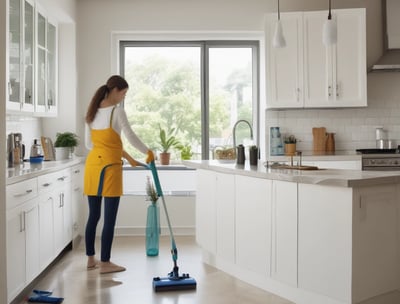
pixel 278 40
pixel 329 32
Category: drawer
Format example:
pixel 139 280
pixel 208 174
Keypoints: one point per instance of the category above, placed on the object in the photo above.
pixel 50 181
pixel 21 192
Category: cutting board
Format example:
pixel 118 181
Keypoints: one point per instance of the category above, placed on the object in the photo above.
pixel 48 148
pixel 319 139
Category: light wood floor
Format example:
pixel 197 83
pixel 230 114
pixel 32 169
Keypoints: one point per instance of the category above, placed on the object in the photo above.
pixel 69 278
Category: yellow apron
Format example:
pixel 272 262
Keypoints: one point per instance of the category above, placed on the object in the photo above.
pixel 103 167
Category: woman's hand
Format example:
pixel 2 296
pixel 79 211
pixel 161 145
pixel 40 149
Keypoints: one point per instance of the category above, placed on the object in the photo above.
pixel 150 156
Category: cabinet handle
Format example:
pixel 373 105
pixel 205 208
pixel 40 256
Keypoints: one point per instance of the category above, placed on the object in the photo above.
pixel 21 220
pixel 23 193
pixel 329 91
pixel 62 178
pixel 337 90
pixel 77 171
pixel 77 189
pixel 46 184
pixel 297 93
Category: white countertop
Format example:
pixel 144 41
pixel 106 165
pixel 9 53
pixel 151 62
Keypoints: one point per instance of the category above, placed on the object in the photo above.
pixel 28 170
pixel 327 177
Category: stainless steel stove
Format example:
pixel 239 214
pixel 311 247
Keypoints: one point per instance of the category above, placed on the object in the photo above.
pixel 380 159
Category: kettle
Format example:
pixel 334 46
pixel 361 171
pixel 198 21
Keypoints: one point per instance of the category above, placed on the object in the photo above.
pixel 36 149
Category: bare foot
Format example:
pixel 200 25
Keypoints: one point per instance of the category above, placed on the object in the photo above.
pixel 92 263
pixel 108 267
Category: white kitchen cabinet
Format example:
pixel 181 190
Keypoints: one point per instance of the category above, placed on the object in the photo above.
pixel 55 228
pixel 225 214
pixel 21 42
pixel 325 240
pixel 308 74
pixel 46 64
pixel 22 236
pixel 62 215
pixel 77 198
pixel 284 232
pixel 253 224
pixel 206 210
pixel 32 75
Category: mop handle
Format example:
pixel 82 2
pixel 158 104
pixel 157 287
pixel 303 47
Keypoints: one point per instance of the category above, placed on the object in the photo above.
pixel 152 167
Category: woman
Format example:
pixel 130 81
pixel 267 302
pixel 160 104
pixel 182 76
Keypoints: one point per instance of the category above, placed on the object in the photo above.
pixel 103 168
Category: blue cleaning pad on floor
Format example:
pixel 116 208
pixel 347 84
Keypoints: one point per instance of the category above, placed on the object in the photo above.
pixel 42 296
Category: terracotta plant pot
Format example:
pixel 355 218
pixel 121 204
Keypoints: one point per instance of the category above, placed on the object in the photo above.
pixel 290 149
pixel 164 158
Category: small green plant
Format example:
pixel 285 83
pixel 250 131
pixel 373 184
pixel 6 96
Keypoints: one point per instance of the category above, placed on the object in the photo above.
pixel 66 139
pixel 168 140
pixel 186 152
pixel 151 191
pixel 291 139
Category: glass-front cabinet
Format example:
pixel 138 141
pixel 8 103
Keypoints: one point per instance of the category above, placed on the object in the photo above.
pixel 32 83
pixel 14 42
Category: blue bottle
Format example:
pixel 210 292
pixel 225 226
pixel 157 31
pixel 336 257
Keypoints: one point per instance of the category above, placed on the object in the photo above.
pixel 152 230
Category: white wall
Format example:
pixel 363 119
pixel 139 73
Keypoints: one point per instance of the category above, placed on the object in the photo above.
pixel 94 47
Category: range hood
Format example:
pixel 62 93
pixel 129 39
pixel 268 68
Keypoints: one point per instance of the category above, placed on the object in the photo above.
pixel 390 61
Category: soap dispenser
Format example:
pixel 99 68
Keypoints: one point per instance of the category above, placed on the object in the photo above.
pixel 240 155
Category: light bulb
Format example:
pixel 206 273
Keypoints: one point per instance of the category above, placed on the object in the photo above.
pixel 278 40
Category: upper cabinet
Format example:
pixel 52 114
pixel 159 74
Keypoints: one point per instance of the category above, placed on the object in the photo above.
pixel 306 73
pixel 32 60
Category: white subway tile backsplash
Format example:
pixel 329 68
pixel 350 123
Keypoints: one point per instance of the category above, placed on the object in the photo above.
pixel 354 128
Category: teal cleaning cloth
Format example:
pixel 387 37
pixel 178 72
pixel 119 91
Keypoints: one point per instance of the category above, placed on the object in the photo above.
pixel 41 296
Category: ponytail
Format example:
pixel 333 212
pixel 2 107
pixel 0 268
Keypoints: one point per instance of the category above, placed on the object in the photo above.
pixel 114 81
pixel 95 103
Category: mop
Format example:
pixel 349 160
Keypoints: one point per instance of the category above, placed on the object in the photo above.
pixel 173 281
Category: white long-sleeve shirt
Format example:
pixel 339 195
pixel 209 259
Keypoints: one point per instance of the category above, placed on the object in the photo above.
pixel 119 124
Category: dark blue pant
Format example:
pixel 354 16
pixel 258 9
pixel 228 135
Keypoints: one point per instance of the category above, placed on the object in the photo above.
pixel 110 215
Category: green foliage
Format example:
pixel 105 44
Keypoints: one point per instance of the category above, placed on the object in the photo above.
pixel 66 139
pixel 168 140
pixel 186 152
pixel 151 191
pixel 291 139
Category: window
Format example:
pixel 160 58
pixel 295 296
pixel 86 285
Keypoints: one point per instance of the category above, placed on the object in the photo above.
pixel 193 90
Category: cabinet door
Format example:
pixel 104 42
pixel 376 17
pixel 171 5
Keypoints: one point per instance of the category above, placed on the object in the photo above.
pixel 325 240
pixel 77 198
pixel 225 210
pixel 285 65
pixel 284 232
pixel 15 252
pixel 253 224
pixel 317 62
pixel 31 219
pixel 335 76
pixel 206 210
pixel 15 50
pixel 28 57
pixel 349 83
pixel 46 228
pixel 41 60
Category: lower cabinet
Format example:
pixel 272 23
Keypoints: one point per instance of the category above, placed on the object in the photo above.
pixel 253 223
pixel 284 232
pixel 22 246
pixel 206 210
pixel 77 198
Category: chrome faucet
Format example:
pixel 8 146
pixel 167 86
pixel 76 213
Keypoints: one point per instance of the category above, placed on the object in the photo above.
pixel 234 130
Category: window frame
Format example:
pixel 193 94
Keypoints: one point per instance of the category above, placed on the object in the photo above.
pixel 254 43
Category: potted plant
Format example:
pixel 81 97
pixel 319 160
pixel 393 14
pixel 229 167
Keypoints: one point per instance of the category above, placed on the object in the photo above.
pixel 65 144
pixel 186 152
pixel 153 220
pixel 167 141
pixel 290 145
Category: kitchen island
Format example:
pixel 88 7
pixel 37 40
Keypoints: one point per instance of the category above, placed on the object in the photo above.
pixel 324 236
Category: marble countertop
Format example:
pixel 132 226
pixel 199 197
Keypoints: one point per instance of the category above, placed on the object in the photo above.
pixel 326 177
pixel 27 170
